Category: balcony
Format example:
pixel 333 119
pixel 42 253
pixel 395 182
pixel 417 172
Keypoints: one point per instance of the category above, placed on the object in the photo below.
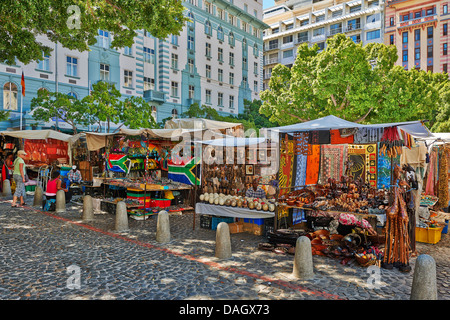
pixel 271 61
pixel 153 95
pixel 352 27
pixel 334 31
pixel 268 47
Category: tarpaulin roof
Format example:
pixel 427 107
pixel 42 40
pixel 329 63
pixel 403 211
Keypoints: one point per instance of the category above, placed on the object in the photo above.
pixel 414 128
pixel 40 134
pixel 199 123
pixel 234 142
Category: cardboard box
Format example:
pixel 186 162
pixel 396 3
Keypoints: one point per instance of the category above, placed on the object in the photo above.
pixel 236 227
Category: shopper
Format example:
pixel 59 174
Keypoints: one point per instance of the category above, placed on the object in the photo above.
pixel 7 168
pixel 19 176
pixel 53 186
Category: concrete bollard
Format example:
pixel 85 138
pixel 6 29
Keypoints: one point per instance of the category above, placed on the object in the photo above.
pixel 88 208
pixel 121 217
pixel 303 263
pixel 38 197
pixel 60 201
pixel 223 242
pixel 424 285
pixel 6 188
pixel 163 227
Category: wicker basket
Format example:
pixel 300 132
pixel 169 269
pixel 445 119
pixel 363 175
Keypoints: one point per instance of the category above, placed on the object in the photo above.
pixel 365 262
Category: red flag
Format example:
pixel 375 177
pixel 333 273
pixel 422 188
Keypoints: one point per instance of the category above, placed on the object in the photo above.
pixel 23 85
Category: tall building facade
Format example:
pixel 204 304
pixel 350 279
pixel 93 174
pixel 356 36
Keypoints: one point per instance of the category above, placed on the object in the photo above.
pixel 216 60
pixel 419 30
pixel 293 22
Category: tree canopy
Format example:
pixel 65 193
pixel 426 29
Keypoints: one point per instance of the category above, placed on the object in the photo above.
pixel 75 24
pixel 351 81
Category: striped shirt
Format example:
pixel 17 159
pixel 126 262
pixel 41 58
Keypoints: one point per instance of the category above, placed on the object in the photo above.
pixel 259 193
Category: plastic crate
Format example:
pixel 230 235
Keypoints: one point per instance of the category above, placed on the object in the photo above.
pixel 205 221
pixel 216 220
pixel 428 235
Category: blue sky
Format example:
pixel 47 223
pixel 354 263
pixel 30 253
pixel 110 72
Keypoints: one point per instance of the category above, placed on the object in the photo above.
pixel 268 3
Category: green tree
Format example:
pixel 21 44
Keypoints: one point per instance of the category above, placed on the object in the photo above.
pixel 75 24
pixel 48 105
pixel 351 81
pixel 442 123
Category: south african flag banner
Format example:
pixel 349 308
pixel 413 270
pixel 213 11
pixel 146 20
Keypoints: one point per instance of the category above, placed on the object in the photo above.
pixel 186 172
pixel 117 162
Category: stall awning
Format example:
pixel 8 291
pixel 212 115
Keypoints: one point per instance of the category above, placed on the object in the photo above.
pixel 199 123
pixel 40 135
pixel 234 142
pixel 414 128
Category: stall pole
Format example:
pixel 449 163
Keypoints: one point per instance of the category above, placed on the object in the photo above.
pixel 145 178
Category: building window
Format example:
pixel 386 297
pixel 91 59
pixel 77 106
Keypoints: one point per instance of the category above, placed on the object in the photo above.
pixel 356 38
pixel 220 99
pixel 208 71
pixel 149 83
pixel 405 17
pixel 445 49
pixel 174 40
pixel 72 66
pixel 244 82
pixel 391 39
pixel 255 68
pixel 128 51
pixel 103 39
pixel 304 22
pixel 128 78
pixel 208 7
pixel 417 14
pixel 405 37
pixel 231 102
pixel 191 65
pixel 405 56
pixel 444 68
pixel 320 18
pixel 208 28
pixel 244 63
pixel 10 96
pixel 375 34
pixel 174 61
pixel 44 64
pixel 174 89
pixel 231 78
pixel 149 55
pixel 355 8
pixel 417 54
pixel 372 18
pixel 255 86
pixel 336 13
pixel 318 31
pixel 288 39
pixel 190 43
pixel 191 92
pixel 430 11
pixel 445 9
pixel 430 33
pixel 302 37
pixel 208 96
pixel 190 23
pixel 321 45
pixel 208 49
pixel 255 50
pixel 220 54
pixel 220 33
pixel 220 75
pixel 417 35
pixel 391 21
pixel 336 28
pixel 288 53
pixel 430 52
pixel 430 68
pixel 445 29
pixel 231 39
pixel 231 59
pixel 104 72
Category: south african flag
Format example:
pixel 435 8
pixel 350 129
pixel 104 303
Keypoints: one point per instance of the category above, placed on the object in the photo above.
pixel 117 162
pixel 185 172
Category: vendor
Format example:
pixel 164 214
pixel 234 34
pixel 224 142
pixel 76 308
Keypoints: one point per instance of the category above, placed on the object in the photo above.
pixel 54 185
pixel 255 191
pixel 74 175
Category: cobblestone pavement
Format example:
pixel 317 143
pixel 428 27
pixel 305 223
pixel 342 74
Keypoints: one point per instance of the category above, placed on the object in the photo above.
pixel 39 249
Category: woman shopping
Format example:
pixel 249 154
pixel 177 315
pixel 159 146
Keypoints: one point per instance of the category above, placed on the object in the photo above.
pixel 19 176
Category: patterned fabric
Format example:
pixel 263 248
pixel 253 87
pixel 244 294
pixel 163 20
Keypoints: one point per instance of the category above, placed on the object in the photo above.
pixel 20 186
pixel 312 164
pixel 332 162
pixel 368 135
pixel 319 137
pixel 188 173
pixel 300 176
pixel 384 170
pixel 286 169
pixel 259 193
pixel 363 160
pixel 337 138
pixel 74 175
pixel 432 169
pixel 301 143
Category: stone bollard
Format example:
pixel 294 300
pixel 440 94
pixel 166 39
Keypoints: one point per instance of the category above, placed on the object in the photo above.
pixel 38 197
pixel 6 188
pixel 60 201
pixel 223 242
pixel 88 208
pixel 424 285
pixel 163 227
pixel 121 217
pixel 303 263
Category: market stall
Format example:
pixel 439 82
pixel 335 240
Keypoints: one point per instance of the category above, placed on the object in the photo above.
pixel 343 176
pixel 236 185
pixel 139 168
pixel 46 149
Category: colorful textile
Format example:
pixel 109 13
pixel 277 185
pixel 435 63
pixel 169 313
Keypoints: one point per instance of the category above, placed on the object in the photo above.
pixel 319 137
pixel 300 176
pixel 286 164
pixel 363 162
pixel 337 138
pixel 301 143
pixel 117 162
pixel 312 164
pixel 384 170
pixel 186 172
pixel 332 162
pixel 431 176
pixel 368 135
